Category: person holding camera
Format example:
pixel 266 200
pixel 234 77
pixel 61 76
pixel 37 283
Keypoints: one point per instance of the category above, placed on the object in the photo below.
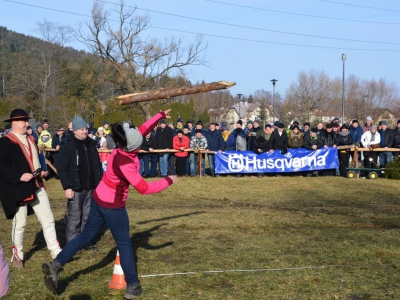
pixel 21 188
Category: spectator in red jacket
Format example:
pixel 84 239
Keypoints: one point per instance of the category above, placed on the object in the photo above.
pixel 180 142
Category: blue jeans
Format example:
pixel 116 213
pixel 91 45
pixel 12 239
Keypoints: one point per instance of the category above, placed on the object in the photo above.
pixel 118 222
pixel 153 158
pixel 164 164
pixel 188 165
pixel 384 158
pixel 210 158
pixel 193 164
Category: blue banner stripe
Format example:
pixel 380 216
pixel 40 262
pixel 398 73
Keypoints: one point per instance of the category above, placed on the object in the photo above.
pixel 295 160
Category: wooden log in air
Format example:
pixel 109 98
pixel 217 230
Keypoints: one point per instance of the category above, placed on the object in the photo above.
pixel 166 94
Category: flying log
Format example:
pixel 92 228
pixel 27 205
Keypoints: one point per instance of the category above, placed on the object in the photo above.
pixel 166 94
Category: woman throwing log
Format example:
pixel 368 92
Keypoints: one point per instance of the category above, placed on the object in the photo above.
pixel 108 204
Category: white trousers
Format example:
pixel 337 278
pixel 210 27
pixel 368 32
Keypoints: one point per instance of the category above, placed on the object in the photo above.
pixel 43 212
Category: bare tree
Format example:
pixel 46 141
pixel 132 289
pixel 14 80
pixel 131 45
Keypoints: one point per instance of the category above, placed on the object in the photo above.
pixel 39 72
pixel 311 91
pixel 134 61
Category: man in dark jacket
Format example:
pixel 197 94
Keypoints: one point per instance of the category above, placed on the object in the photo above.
pixel 396 139
pixel 279 140
pixel 79 170
pixel 215 143
pixel 313 141
pixel 149 144
pixel 164 135
pixel 386 142
pixel 19 159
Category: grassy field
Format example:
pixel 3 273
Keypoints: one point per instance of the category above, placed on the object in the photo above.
pixel 294 237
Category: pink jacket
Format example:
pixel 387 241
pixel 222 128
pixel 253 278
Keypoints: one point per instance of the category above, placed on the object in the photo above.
pixel 4 274
pixel 123 170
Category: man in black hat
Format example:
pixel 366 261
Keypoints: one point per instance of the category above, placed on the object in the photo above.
pixel 21 186
pixel 279 139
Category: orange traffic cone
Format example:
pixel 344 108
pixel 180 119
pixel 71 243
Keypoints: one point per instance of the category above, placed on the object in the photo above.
pixel 117 281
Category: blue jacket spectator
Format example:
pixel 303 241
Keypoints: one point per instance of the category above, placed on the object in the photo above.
pixel 214 138
pixel 356 132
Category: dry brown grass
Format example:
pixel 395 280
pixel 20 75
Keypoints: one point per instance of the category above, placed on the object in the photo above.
pixel 346 231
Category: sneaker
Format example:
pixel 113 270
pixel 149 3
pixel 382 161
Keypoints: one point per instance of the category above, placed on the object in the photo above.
pixel 51 271
pixel 91 247
pixel 133 291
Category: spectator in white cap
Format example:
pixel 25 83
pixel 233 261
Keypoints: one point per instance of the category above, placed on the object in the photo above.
pixel 367 124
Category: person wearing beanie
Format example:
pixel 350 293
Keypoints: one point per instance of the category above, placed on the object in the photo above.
pixel 19 159
pixel 356 132
pixel 106 127
pixel 108 205
pixel 240 123
pixel 215 143
pixel 164 135
pixel 181 143
pixel 344 139
pixel 197 141
pixel 80 171
pixel 371 139
pixel 386 142
pixel 149 144
pixel 313 141
pixel 189 124
pixel 179 124
pixel 367 124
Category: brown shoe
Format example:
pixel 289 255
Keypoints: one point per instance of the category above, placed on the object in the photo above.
pixel 18 264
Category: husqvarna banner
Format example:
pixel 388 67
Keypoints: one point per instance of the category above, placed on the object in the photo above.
pixel 295 160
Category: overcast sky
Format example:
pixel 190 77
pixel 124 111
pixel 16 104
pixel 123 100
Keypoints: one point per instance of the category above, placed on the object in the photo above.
pixel 251 42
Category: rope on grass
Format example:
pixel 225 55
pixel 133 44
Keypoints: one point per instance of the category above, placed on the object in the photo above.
pixel 251 270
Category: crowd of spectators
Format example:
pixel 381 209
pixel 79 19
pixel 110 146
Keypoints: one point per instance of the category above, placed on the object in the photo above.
pixel 160 161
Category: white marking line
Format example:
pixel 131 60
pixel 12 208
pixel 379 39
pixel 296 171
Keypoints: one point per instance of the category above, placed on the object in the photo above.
pixel 253 270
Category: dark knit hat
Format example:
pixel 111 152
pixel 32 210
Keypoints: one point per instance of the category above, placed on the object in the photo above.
pixel 295 127
pixel 256 121
pixel 344 126
pixel 180 131
pixel 384 122
pixel 276 123
pixel 281 125
pixel 163 122
pixel 355 121
pixel 199 131
pixel 199 122
pixel 239 122
pixel 249 122
pixel 189 122
pixel 307 124
pixel 335 125
pixel 261 140
pixel 398 121
pixel 314 130
pixel 45 121
pixel 329 125
pixel 179 120
pixel 18 115
pixel 268 125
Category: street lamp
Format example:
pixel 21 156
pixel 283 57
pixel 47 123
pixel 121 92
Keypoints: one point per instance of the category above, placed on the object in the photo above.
pixel 343 59
pixel 273 98
pixel 239 96
pixel 365 105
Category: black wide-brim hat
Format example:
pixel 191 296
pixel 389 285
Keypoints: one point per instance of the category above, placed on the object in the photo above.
pixel 18 115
